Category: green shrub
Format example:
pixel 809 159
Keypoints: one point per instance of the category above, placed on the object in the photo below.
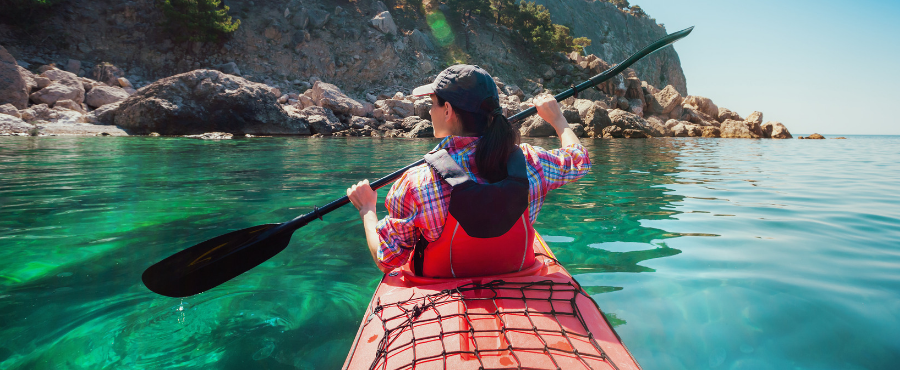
pixel 621 4
pixel 637 11
pixel 532 21
pixel 197 20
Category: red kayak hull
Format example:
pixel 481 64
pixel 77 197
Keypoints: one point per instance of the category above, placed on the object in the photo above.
pixel 537 318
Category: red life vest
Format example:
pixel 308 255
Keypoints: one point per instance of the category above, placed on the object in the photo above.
pixel 488 230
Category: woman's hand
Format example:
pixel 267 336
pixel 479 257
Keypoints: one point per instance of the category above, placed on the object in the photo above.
pixel 548 109
pixel 363 197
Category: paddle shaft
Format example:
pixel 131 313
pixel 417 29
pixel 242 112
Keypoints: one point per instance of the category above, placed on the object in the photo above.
pixel 301 221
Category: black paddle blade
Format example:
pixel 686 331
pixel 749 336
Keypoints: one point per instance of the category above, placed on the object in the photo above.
pixel 215 261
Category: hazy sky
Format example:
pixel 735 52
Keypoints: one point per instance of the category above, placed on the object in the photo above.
pixel 817 66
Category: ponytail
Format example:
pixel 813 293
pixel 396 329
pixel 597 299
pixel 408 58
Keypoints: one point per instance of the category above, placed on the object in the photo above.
pixel 497 142
pixel 498 138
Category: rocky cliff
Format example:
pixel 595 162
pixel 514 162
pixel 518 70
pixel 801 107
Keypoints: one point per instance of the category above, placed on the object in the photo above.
pixel 615 35
pixel 282 43
pixel 331 67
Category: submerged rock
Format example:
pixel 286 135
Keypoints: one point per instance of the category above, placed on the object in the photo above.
pixel 207 136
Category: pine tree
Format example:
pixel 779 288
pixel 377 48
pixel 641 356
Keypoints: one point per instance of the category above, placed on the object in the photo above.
pixel 198 20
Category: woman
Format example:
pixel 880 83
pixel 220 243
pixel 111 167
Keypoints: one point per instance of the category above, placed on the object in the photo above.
pixel 496 194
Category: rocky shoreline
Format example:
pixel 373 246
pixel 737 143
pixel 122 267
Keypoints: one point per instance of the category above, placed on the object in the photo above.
pixel 51 101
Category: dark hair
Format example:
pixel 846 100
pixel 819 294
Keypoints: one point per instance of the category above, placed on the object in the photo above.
pixel 498 138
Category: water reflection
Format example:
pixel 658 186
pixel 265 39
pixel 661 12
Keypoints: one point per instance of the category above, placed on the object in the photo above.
pixel 605 214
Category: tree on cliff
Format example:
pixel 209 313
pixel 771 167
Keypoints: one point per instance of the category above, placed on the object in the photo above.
pixel 467 9
pixel 637 11
pixel 197 20
pixel 621 4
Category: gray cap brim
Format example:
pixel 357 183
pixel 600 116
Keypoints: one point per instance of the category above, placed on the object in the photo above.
pixel 423 90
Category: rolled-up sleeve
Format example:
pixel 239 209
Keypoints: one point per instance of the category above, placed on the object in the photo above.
pixel 561 166
pixel 397 231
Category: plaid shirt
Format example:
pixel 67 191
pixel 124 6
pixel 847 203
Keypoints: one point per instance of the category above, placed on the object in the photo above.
pixel 418 202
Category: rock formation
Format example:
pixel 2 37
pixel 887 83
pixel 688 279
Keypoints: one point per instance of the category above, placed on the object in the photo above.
pixel 207 101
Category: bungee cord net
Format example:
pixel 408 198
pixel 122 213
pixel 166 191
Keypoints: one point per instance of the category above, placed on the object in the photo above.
pixel 488 325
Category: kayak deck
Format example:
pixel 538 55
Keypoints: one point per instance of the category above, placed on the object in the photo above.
pixel 538 318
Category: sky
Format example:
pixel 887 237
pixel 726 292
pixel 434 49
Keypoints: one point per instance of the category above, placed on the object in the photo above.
pixel 829 67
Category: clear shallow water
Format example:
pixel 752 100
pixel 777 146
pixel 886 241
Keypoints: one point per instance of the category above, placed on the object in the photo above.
pixel 705 253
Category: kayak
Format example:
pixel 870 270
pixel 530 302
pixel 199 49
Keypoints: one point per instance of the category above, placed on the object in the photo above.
pixel 536 318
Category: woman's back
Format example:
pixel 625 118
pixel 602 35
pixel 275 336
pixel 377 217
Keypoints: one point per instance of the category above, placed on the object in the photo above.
pixel 466 112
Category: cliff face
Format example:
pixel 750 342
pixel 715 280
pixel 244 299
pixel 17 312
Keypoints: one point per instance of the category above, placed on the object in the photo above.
pixel 615 35
pixel 285 44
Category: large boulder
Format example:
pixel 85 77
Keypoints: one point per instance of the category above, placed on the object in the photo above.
pixel 13 125
pixel 421 41
pixel 702 104
pixel 64 85
pixel 535 126
pixel 665 101
pixel 595 119
pixel 399 107
pixel 322 120
pixel 710 131
pixel 330 96
pixel 656 127
pixel 775 130
pixel 736 129
pixel 29 79
pixel 384 23
pixel 610 132
pixel 422 107
pixel 36 112
pixel 103 95
pixel 107 73
pixel 755 128
pixel 422 129
pixel 105 115
pixel 10 109
pixel 686 129
pixel 207 101
pixel 70 105
pixel 627 120
pixel 693 115
pixel 571 115
pixel 755 117
pixel 725 113
pixel 13 88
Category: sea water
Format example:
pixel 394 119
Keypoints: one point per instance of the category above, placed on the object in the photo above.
pixel 703 253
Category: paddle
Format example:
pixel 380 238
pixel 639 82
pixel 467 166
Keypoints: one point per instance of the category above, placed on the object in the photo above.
pixel 215 261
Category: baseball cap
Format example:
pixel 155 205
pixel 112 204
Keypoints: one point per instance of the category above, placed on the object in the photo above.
pixel 465 86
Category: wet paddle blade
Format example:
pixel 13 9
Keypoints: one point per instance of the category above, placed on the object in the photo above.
pixel 215 261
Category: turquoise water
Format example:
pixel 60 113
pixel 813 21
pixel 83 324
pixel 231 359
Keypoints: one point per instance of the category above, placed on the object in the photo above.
pixel 705 253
